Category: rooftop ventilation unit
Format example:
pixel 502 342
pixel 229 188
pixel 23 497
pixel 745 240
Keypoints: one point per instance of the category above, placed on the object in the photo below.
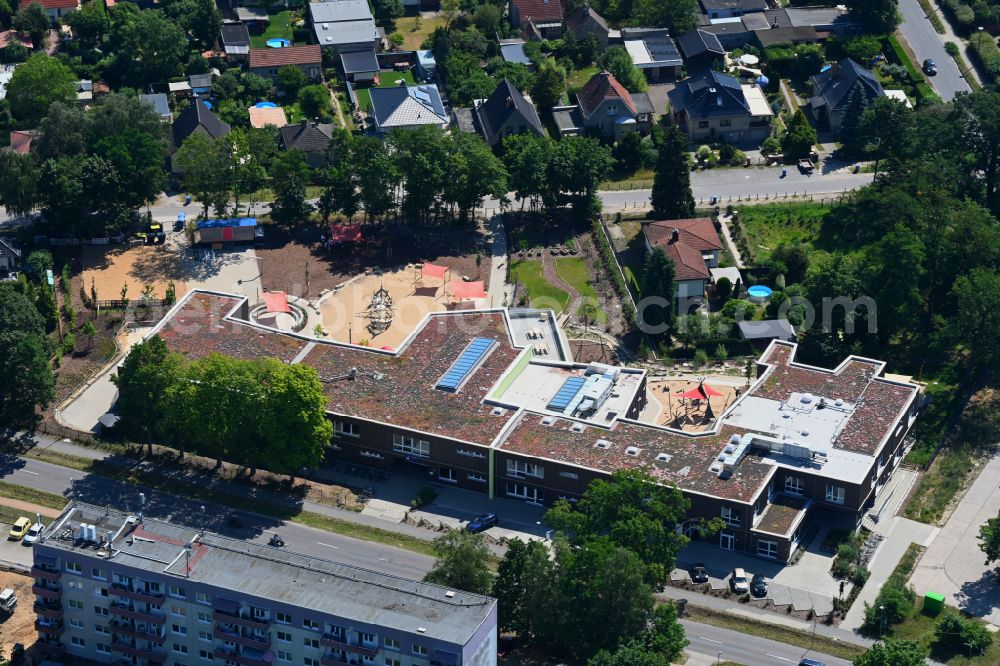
pixel 450 594
pixel 663 457
pixel 632 451
pixel 497 411
pixel 806 399
pixel 602 444
pixel 547 420
pixel 578 427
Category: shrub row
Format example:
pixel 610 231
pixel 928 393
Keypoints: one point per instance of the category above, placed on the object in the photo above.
pixel 611 264
pixel 985 50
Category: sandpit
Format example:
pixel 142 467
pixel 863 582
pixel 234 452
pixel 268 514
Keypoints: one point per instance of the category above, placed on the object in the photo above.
pixel 343 311
pixel 687 414
pixel 111 267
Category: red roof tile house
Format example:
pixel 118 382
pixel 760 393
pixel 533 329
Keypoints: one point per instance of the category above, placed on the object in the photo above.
pixel 603 105
pixel 267 62
pixel 693 245
pixel 56 9
pixel 462 403
pixel 538 19
pixel 20 141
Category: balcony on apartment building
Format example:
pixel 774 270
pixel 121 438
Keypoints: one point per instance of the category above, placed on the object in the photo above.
pixel 50 627
pixel 338 642
pixel 234 616
pixel 230 632
pixel 134 630
pixel 51 647
pixel 47 590
pixel 133 650
pixel 127 610
pixel 333 660
pixel 52 610
pixel 135 593
pixel 46 573
pixel 245 656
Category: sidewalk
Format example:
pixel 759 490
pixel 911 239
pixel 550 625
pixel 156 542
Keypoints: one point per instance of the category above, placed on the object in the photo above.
pixel 727 606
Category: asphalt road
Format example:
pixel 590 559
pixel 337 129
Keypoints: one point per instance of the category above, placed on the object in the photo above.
pixel 306 540
pixel 925 42
pixel 748 650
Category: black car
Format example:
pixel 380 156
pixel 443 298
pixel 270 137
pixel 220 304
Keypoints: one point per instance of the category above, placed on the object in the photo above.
pixel 930 69
pixel 483 522
pixel 811 662
pixel 698 573
pixel 758 585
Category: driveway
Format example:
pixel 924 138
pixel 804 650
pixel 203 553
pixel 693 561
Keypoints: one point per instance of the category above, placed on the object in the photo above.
pixel 658 97
pixel 953 564
pixel 926 43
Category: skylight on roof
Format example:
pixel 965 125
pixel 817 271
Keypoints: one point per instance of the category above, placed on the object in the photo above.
pixel 602 444
pixel 566 393
pixel 467 362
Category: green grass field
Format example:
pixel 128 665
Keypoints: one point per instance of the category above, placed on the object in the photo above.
pixel 770 225
pixel 578 77
pixel 414 35
pixel 541 294
pixel 387 79
pixel 574 271
pixel 280 26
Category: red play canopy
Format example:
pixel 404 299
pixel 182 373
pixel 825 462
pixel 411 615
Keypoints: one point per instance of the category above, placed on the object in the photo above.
pixel 430 270
pixel 700 392
pixel 469 289
pixel 276 301
pixel 343 233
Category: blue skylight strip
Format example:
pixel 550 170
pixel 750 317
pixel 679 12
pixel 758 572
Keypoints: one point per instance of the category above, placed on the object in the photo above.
pixel 467 361
pixel 566 393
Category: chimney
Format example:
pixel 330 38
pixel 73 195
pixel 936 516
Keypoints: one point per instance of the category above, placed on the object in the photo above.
pixel 510 102
pixel 675 235
pixel 303 122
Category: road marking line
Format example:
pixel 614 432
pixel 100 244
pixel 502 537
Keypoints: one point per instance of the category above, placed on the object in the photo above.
pixel 777 657
pixel 382 559
pixel 28 471
pixel 328 545
pixel 710 640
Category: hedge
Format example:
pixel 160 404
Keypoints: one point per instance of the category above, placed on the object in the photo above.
pixel 985 50
pixel 611 264
pixel 921 89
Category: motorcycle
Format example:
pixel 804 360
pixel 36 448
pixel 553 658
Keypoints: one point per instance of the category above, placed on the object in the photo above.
pixel 276 541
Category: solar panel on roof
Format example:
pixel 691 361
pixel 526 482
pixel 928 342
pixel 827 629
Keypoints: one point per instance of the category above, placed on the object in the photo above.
pixel 566 393
pixel 467 361
pixel 422 95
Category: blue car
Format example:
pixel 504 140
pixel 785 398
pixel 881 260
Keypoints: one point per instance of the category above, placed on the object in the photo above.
pixel 483 522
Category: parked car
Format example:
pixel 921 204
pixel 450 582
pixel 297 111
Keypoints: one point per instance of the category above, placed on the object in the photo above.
pixel 698 573
pixel 483 522
pixel 738 581
pixel 811 662
pixel 758 585
pixel 19 528
pixel 8 601
pixel 930 69
pixel 33 533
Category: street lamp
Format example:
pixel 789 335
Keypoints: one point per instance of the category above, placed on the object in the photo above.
pixel 882 625
pixel 718 659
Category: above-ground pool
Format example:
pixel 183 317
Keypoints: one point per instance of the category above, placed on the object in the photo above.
pixel 278 43
pixel 266 105
pixel 759 293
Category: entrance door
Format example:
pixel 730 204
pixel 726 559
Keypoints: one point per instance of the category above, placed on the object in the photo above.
pixel 727 541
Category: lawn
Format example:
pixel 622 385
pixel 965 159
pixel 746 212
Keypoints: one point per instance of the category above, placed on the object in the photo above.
pixel 414 35
pixel 640 180
pixel 573 270
pixel 578 77
pixel 541 294
pixel 770 225
pixel 280 26
pixel 387 79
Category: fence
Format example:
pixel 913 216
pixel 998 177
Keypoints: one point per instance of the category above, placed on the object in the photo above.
pixel 111 240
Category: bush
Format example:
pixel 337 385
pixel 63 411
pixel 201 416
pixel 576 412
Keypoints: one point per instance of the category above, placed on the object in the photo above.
pixel 68 345
pixel 703 152
pixel 721 353
pixel 986 51
pixel 700 358
pixel 425 496
pixel 897 599
pixel 723 288
pixel 739 309
pixel 952 49
pixel 948 629
pixel 861 576
pixel 771 146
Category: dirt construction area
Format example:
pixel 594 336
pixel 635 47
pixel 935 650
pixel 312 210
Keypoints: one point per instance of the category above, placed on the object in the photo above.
pixel 344 311
pixel 19 627
pixel 109 267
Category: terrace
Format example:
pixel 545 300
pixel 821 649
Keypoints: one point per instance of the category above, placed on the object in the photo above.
pixel 781 515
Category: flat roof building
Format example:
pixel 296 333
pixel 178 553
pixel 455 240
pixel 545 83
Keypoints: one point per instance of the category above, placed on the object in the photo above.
pixel 126 585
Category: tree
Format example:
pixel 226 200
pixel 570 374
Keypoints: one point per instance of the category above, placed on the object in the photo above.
pixel 723 288
pixel 487 18
pixel 577 166
pixel 387 11
pixel 634 512
pixel 203 167
pixel 885 130
pixel 897 292
pixel 150 47
pixel 671 197
pixel 31 18
pixel 977 299
pixel 618 63
pixel 138 159
pixel 526 158
pixel 633 653
pixel 893 652
pixel 463 562
pixel 24 361
pixel 978 116
pixel 879 17
pixel 18 183
pixel 679 16
pixel 800 137
pixel 628 152
pixel 90 331
pixel 315 101
pixel 90 24
pixel 291 79
pixel 511 586
pixel 658 282
pixel 64 131
pixel 474 172
pixel 38 83
pixel 143 380
pixel 39 262
pixel 849 135
pixel 289 177
pixel 989 539
pixel 378 176
pixel 550 84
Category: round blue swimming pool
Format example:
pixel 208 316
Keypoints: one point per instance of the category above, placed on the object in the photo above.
pixel 278 43
pixel 759 293
pixel 266 105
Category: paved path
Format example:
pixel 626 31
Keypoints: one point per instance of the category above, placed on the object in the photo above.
pixel 499 289
pixel 953 564
pixel 900 534
pixel 925 42
pixel 727 238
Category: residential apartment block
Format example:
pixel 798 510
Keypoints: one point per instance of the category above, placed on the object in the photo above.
pixel 491 401
pixel 115 587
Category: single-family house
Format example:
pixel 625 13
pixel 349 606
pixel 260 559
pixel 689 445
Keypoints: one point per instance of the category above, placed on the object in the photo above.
pixel 344 25
pixel 538 19
pixel 791 35
pixel 506 112
pixel 201 84
pixel 8 37
pixel 829 20
pixel 605 107
pixel 262 116
pixel 312 138
pixel 160 104
pixel 654 53
pixel 57 9
pixel 236 40
pixel 359 66
pixel 196 118
pixel 20 141
pixel 584 21
pixel 700 49
pixel 407 107
pixel 711 106
pixel 721 9
pixel 693 245
pixel 267 62
pixel 10 258
pixel 834 88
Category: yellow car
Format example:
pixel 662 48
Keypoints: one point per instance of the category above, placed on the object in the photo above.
pixel 19 528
